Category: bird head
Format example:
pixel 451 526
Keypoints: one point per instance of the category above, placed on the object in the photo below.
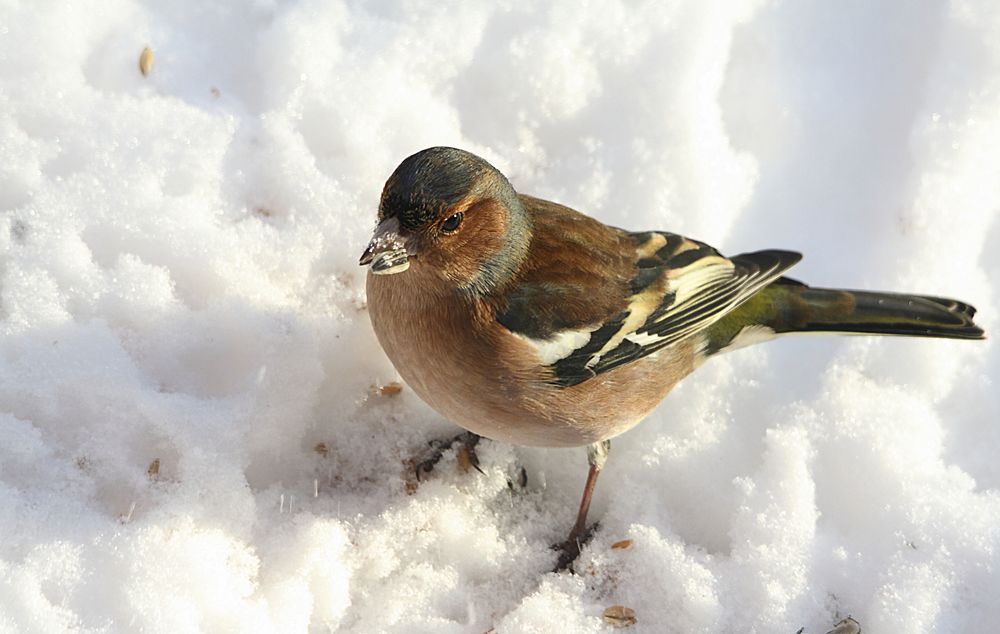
pixel 451 212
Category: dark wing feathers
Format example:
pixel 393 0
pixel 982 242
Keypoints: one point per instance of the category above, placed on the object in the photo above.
pixel 621 296
pixel 685 311
pixel 750 273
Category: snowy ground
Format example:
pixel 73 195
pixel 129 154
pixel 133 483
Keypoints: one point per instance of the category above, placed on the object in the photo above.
pixel 190 439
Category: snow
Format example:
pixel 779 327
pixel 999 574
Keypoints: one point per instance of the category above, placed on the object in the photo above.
pixel 191 434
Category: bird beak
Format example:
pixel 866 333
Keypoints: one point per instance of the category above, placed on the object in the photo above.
pixel 386 252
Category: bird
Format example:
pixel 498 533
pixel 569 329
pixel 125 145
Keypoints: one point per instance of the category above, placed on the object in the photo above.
pixel 527 322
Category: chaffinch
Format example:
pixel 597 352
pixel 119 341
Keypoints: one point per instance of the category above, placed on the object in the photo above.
pixel 527 322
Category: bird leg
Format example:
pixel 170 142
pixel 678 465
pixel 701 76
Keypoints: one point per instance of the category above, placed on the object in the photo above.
pixel 569 550
pixel 466 453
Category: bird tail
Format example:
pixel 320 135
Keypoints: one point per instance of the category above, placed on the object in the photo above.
pixel 788 306
pixel 800 308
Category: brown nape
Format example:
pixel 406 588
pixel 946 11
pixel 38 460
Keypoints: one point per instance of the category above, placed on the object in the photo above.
pixel 459 256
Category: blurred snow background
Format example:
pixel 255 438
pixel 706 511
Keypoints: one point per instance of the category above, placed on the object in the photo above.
pixel 191 438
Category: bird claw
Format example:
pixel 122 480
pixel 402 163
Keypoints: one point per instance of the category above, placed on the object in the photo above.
pixel 570 549
pixel 465 454
pixel 521 482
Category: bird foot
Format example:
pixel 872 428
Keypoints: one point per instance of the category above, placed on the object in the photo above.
pixel 569 550
pixel 520 480
pixel 465 454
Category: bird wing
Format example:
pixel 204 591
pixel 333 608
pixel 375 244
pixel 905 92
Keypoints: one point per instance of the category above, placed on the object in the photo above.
pixel 649 290
pixel 691 289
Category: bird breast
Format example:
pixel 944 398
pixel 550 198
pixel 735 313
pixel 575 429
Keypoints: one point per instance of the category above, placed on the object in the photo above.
pixel 474 372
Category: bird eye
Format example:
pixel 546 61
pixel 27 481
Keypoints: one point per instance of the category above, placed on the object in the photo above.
pixel 451 223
